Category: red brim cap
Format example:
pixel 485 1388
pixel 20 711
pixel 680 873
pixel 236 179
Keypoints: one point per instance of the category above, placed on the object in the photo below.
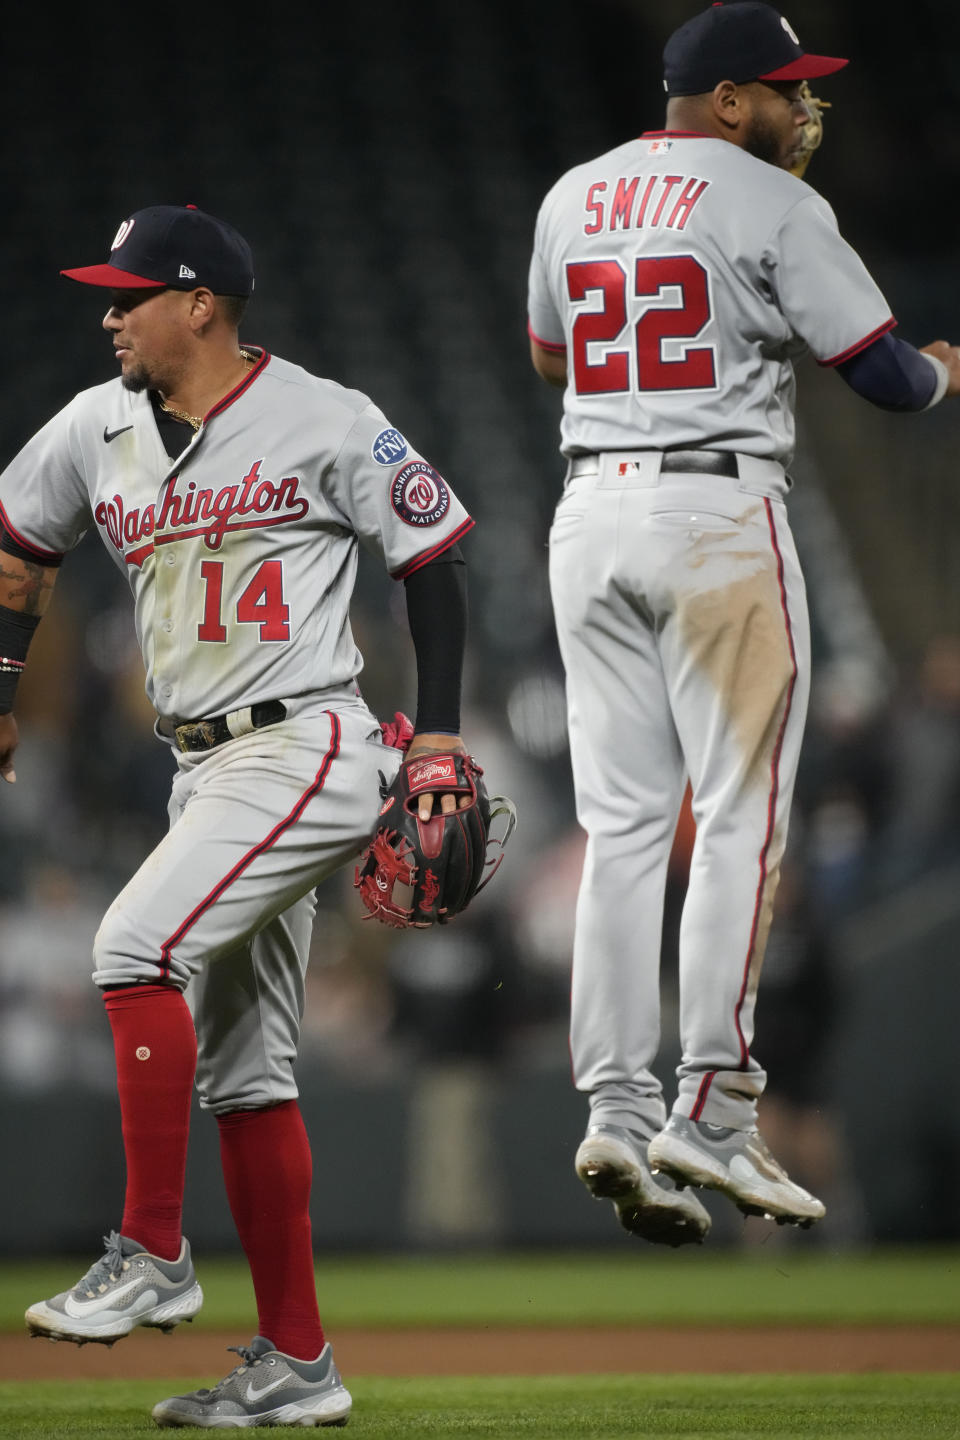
pixel 112 278
pixel 808 67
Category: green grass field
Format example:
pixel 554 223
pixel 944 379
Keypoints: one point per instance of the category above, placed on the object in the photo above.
pixel 626 1287
pixel 882 1407
pixel 630 1286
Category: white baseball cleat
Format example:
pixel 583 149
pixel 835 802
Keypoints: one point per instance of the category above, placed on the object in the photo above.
pixel 736 1162
pixel 269 1388
pixel 125 1288
pixel 612 1163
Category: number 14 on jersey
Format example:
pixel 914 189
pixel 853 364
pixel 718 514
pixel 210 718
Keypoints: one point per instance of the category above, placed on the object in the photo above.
pixel 260 603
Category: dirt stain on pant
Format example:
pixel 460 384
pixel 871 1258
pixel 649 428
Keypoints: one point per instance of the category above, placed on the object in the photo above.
pixel 737 637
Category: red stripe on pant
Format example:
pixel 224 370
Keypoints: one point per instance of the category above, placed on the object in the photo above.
pixel 259 849
pixel 709 1077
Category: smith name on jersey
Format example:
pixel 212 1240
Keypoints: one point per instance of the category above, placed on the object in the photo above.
pixel 629 252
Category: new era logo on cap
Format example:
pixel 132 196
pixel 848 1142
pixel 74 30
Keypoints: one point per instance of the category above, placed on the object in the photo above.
pixel 740 42
pixel 174 246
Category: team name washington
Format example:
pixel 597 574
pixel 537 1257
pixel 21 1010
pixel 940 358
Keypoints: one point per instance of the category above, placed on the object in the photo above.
pixel 272 503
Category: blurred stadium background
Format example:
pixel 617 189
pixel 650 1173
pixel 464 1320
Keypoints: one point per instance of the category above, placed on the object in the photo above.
pixel 386 162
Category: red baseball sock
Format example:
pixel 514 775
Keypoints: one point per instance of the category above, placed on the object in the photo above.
pixel 267 1169
pixel 156 1049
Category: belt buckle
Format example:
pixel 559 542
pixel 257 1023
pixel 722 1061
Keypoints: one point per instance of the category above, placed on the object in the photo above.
pixel 199 730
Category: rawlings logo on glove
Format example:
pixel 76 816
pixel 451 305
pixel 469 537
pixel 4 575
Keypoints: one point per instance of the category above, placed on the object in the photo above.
pixel 424 872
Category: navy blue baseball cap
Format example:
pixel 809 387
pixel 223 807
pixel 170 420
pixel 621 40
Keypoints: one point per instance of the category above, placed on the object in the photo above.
pixel 174 247
pixel 739 42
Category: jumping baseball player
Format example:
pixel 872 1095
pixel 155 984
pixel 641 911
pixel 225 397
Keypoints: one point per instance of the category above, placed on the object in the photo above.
pixel 231 488
pixel 675 282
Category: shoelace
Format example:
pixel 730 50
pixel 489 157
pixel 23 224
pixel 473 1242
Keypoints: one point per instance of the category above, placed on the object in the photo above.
pixel 249 1358
pixel 107 1270
pixel 248 1355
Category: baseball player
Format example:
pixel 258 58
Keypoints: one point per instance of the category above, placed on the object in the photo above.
pixel 231 488
pixel 674 283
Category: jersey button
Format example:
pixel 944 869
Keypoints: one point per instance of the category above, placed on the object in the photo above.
pixel 168 626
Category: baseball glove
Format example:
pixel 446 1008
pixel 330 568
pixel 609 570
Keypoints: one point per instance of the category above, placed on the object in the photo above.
pixel 812 132
pixel 423 872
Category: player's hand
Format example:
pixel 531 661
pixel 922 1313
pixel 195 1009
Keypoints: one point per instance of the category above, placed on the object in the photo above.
pixel 9 739
pixel 431 743
pixel 950 356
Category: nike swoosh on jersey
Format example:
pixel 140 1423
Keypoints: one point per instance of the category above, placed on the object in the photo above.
pixel 109 435
pixel 254 1394
pixel 76 1309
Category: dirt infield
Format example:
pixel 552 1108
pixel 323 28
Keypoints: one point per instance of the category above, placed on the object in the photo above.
pixel 598 1350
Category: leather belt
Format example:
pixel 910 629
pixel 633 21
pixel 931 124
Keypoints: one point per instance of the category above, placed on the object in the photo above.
pixel 674 462
pixel 206 734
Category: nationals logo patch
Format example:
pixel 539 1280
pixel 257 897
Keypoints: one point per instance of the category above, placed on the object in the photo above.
pixel 419 495
pixel 389 448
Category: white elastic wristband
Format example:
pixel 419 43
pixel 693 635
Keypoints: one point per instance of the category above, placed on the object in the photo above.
pixel 943 380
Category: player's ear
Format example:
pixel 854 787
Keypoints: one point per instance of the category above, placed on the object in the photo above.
pixel 727 104
pixel 203 304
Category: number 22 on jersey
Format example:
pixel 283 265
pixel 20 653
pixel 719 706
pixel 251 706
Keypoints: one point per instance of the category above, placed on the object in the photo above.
pixel 675 295
pixel 260 603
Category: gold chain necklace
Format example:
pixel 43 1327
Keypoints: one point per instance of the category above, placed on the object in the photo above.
pixel 195 421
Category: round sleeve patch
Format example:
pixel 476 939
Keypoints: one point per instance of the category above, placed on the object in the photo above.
pixel 419 495
pixel 389 448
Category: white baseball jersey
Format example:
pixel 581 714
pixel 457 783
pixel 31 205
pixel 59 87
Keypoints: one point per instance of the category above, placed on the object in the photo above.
pixel 242 555
pixel 683 277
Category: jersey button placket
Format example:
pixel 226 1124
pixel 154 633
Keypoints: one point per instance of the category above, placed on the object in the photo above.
pixel 164 655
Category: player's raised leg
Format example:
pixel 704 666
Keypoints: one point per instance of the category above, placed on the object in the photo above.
pixel 629 779
pixel 256 824
pixel 737 652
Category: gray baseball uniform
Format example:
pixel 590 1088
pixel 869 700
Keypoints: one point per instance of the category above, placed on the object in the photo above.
pixel 242 558
pixel 682 278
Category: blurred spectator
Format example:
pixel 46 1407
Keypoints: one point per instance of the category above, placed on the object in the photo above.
pixel 842 794
pixel 923 823
pixel 52 1027
pixel 799 1005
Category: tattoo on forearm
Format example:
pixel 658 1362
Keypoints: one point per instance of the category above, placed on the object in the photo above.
pixel 25 586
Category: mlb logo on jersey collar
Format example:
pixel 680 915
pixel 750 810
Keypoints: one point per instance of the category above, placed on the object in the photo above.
pixel 740 42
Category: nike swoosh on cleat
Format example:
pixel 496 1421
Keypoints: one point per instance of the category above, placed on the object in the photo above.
pixel 254 1394
pixel 77 1309
pixel 109 435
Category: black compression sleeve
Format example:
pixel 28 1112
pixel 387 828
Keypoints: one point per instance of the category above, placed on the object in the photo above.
pixel 891 374
pixel 437 612
pixel 16 632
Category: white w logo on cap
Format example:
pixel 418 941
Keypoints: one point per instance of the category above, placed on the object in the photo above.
pixel 122 234
pixel 789 29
